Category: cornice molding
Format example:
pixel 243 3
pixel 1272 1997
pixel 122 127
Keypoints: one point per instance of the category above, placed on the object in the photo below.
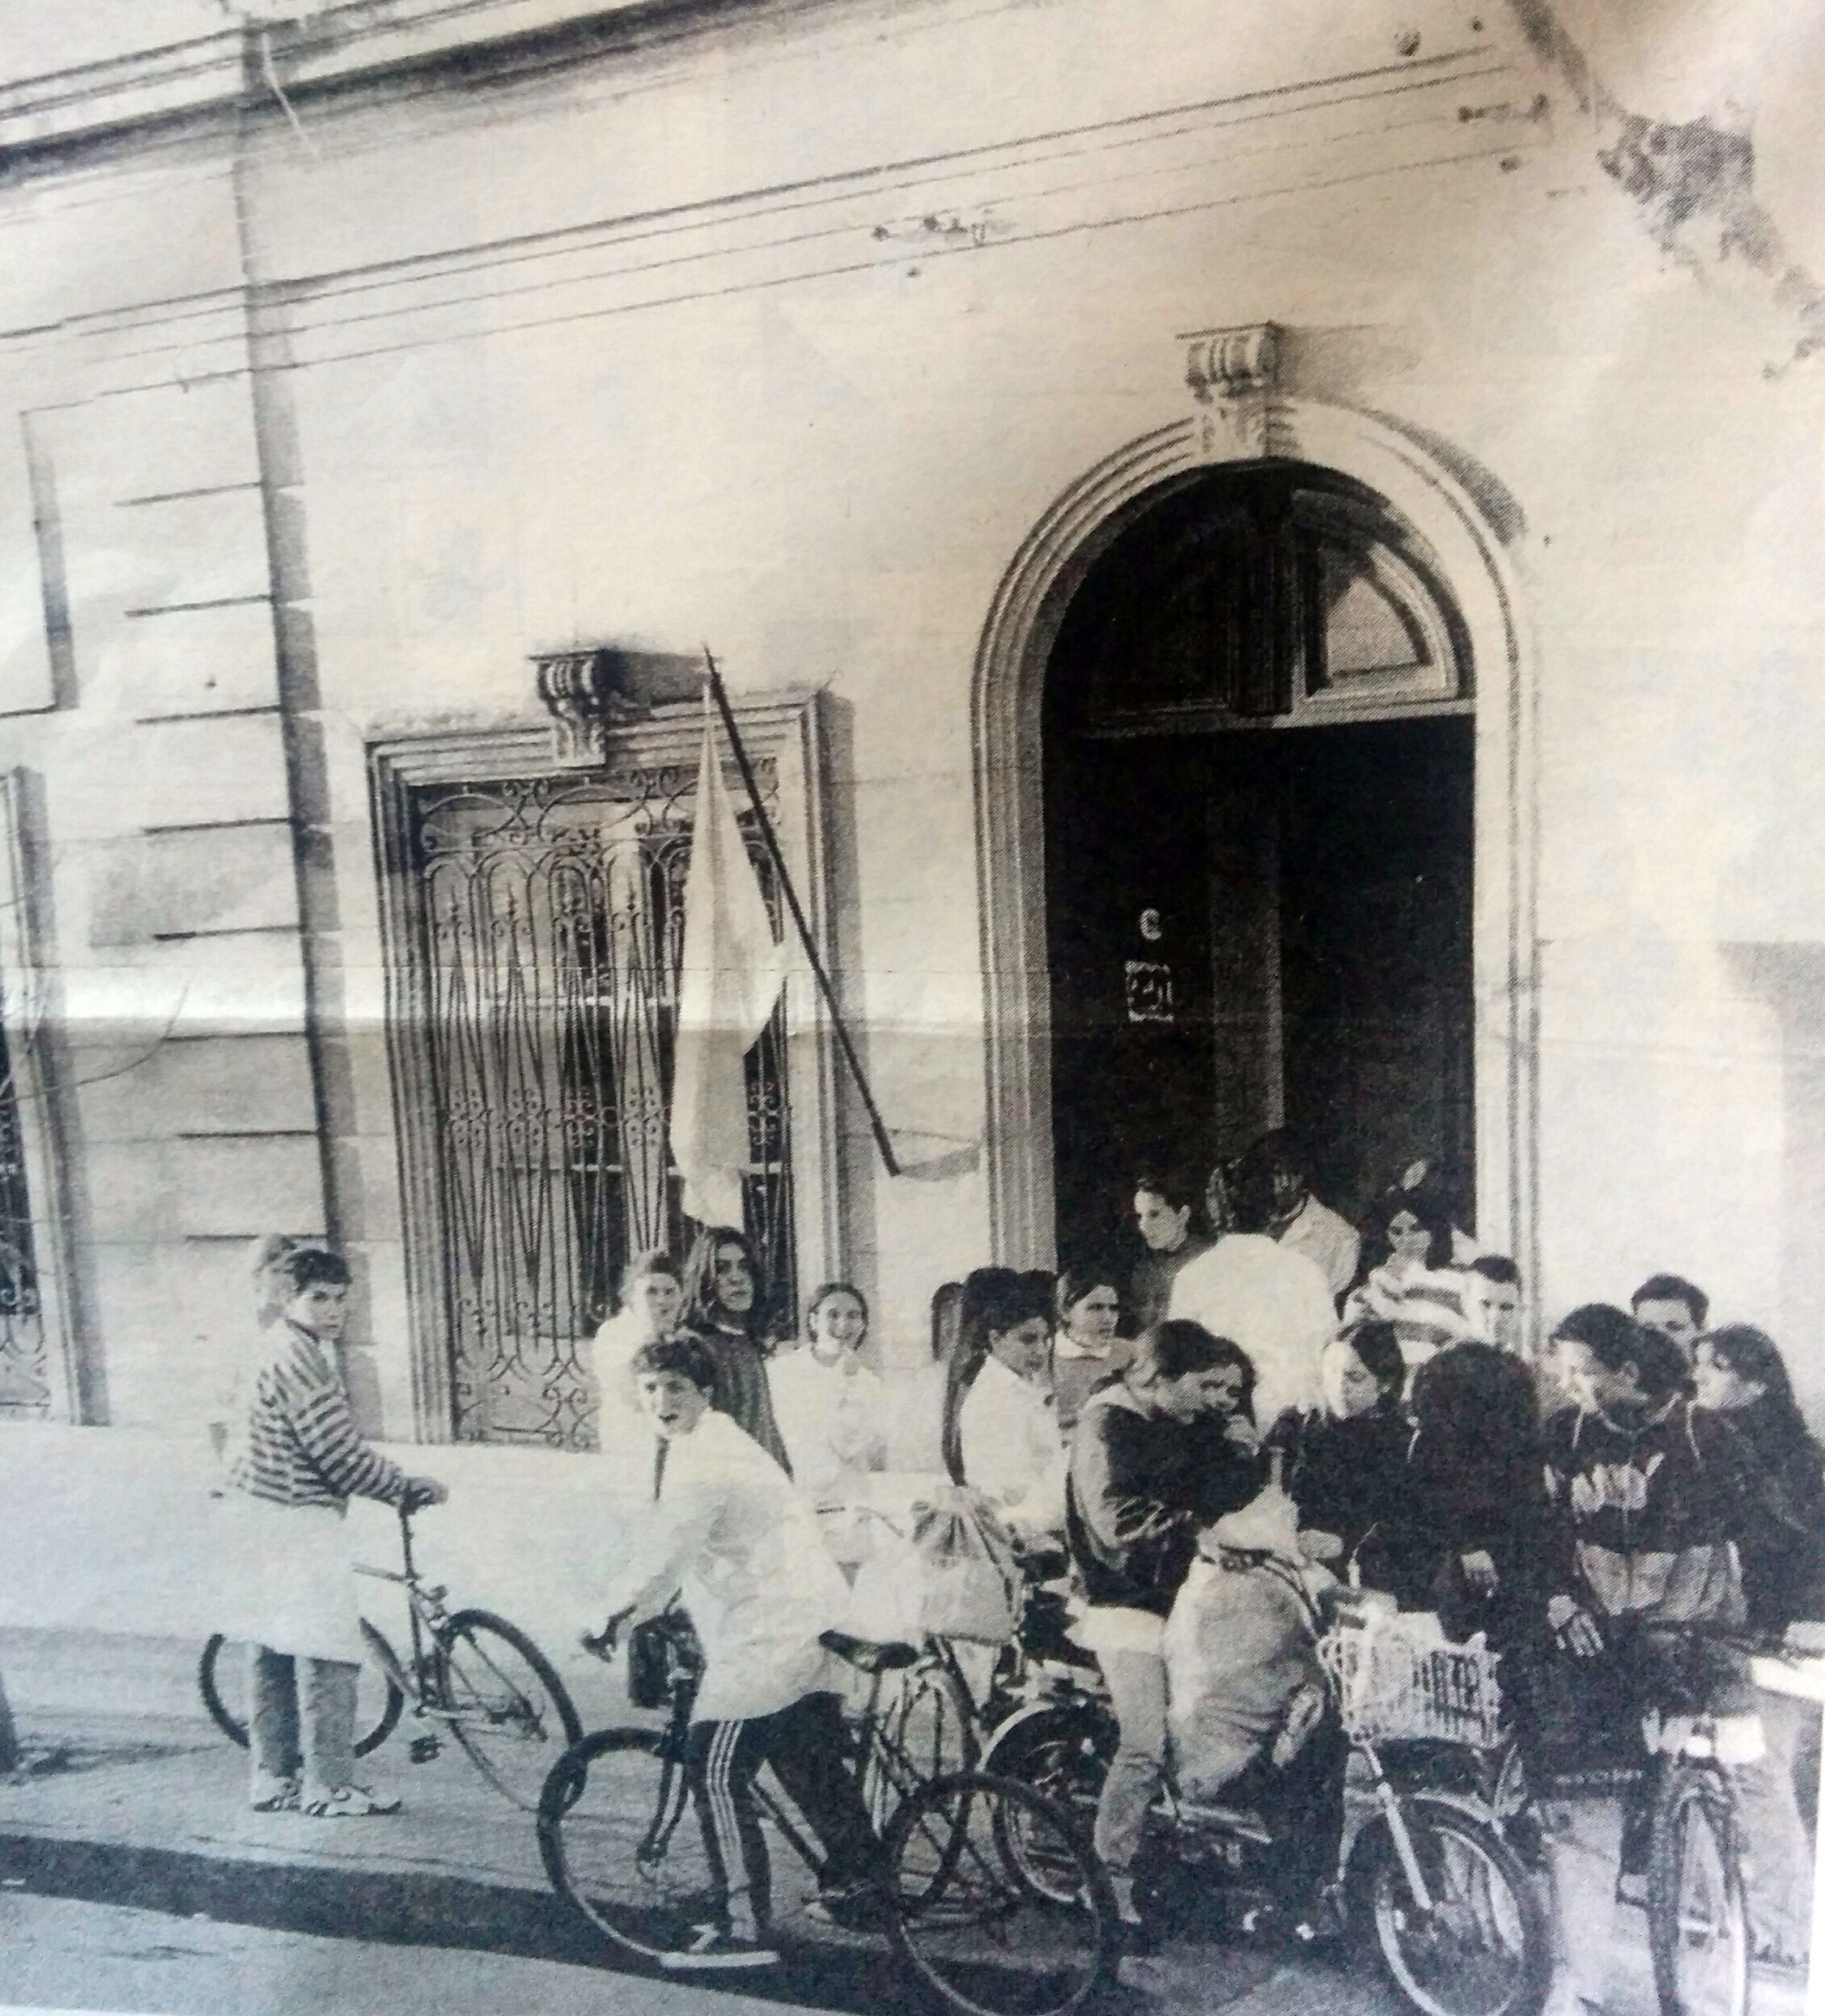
pixel 1180 160
pixel 328 46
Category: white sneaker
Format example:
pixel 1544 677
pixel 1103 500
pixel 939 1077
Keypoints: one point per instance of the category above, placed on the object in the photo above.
pixel 709 1949
pixel 347 1802
pixel 271 1793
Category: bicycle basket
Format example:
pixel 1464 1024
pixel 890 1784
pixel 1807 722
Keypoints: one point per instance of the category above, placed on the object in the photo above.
pixel 1394 1688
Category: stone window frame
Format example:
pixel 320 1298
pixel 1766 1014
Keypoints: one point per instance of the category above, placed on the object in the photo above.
pixel 31 1005
pixel 789 728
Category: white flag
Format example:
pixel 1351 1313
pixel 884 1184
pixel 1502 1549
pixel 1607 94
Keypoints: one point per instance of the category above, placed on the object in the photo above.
pixel 727 983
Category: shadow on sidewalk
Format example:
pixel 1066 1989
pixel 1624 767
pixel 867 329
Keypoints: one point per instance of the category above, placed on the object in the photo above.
pixel 396 1908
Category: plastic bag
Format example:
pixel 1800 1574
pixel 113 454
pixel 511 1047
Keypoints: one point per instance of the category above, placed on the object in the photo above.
pixel 884 1603
pixel 969 1579
pixel 1240 1646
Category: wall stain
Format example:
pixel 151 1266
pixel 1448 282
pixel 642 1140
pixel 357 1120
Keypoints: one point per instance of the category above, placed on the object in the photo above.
pixel 1692 181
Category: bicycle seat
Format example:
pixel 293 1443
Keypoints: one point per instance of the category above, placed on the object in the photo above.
pixel 868 1656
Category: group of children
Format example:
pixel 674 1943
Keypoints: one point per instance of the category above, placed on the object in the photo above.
pixel 1668 1479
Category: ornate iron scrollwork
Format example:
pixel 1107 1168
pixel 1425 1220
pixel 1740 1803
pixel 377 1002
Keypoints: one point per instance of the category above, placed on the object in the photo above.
pixel 25 1385
pixel 553 912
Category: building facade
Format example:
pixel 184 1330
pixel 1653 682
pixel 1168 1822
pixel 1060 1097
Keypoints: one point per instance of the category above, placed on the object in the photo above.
pixel 1268 565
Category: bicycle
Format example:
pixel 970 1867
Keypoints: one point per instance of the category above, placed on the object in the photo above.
pixel 615 1843
pixel 471 1674
pixel 1695 1896
pixel 1424 1878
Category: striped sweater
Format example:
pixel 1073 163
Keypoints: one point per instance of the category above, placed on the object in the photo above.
pixel 299 1444
pixel 1425 1305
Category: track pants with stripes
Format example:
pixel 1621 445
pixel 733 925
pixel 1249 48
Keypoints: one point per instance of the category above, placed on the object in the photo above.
pixel 809 1750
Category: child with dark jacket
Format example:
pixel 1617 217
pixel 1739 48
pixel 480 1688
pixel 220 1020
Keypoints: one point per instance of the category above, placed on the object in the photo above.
pixel 1161 1452
pixel 1346 1458
pixel 1474 1506
pixel 1741 1380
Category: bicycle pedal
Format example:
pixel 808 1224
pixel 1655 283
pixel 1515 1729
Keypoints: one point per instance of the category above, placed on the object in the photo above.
pixel 426 1749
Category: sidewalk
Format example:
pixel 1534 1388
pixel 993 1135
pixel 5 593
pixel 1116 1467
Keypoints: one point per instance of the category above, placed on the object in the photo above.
pixel 149 1811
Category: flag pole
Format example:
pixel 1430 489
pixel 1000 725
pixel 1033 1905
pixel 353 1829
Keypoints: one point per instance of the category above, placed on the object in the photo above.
pixel 791 895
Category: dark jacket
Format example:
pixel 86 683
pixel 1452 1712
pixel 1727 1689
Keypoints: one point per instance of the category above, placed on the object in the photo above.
pixel 1780 1523
pixel 1640 1514
pixel 742 1390
pixel 1150 1290
pixel 1474 1484
pixel 1346 1476
pixel 1141 1486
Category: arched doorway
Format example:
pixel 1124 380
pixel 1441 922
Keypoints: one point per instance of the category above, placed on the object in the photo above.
pixel 1258 744
pixel 1468 522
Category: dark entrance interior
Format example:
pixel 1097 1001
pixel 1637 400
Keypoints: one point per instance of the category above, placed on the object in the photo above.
pixel 1259 840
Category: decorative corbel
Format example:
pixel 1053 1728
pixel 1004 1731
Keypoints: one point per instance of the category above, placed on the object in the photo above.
pixel 585 691
pixel 1234 377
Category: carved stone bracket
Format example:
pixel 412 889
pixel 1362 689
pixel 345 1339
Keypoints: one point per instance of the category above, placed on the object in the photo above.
pixel 1234 376
pixel 585 691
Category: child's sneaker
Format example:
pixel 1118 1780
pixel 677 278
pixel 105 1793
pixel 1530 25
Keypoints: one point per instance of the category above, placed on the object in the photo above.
pixel 858 1906
pixel 272 1793
pixel 709 1949
pixel 347 1802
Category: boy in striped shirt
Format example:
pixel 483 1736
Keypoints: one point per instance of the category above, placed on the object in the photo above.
pixel 300 1458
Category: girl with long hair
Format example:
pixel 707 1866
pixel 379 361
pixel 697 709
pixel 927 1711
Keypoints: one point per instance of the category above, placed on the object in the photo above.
pixel 725 1303
pixel 1741 1379
pixel 1416 1286
pixel 1346 1458
pixel 1000 1432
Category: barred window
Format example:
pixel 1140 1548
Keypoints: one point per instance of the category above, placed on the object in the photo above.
pixel 537 933
pixel 35 1378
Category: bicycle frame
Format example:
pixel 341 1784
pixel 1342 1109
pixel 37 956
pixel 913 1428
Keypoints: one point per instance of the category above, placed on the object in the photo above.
pixel 872 1741
pixel 426 1615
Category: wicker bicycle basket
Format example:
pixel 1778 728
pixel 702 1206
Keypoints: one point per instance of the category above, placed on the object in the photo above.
pixel 1392 1688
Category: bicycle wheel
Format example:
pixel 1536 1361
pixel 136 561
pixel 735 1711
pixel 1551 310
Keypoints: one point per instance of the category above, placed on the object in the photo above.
pixel 1698 1929
pixel 1062 1753
pixel 918 1726
pixel 1479 1945
pixel 221 1680
pixel 620 1842
pixel 1514 1808
pixel 506 1706
pixel 979 1940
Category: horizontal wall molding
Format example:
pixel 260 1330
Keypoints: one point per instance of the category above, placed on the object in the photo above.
pixel 1179 160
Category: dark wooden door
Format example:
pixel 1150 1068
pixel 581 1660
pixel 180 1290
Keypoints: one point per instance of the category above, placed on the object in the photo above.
pixel 1129 912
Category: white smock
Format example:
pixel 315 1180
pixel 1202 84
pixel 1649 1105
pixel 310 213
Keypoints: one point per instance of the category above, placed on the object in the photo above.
pixel 1013 1451
pixel 288 1577
pixel 734 1540
pixel 832 1418
pixel 1271 1300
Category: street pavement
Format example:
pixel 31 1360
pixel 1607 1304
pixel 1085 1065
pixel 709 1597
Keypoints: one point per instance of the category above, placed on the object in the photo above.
pixel 57 1953
pixel 133 1877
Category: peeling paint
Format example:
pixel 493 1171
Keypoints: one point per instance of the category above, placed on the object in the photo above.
pixel 1692 181
pixel 1506 110
pixel 949 228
